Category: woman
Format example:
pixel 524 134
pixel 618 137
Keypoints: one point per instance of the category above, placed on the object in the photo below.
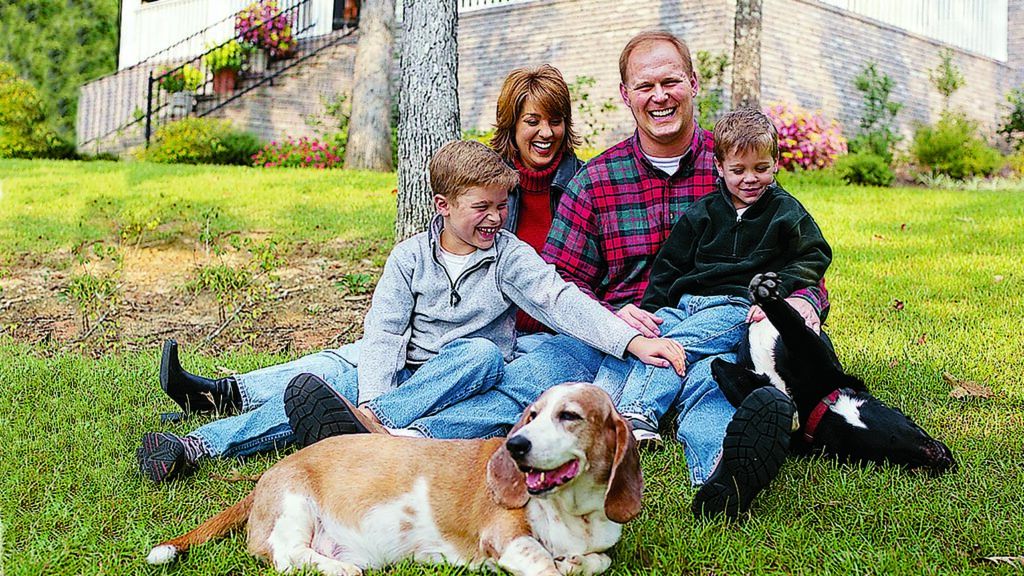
pixel 533 133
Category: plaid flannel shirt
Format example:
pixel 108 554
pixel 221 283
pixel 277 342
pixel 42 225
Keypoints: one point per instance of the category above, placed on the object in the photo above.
pixel 619 210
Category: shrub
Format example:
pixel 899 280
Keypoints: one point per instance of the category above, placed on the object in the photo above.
pixel 589 118
pixel 865 169
pixel 201 141
pixel 710 99
pixel 301 153
pixel 1016 163
pixel 806 140
pixel 946 77
pixel 954 148
pixel 186 78
pixel 1012 127
pixel 23 132
pixel 877 134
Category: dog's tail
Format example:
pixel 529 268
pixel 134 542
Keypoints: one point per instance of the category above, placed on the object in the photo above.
pixel 234 517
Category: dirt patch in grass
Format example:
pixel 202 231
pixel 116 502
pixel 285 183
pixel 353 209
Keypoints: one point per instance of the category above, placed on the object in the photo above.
pixel 305 302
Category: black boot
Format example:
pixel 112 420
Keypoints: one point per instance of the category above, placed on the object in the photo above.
pixel 193 393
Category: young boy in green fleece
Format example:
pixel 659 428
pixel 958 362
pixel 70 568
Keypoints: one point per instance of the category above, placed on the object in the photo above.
pixel 699 279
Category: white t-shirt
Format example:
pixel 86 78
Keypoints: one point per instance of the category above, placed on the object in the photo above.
pixel 667 165
pixel 455 263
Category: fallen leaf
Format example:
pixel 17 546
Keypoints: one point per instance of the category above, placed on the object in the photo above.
pixel 966 388
pixel 1011 560
pixel 893 363
pixel 897 304
pixel 904 227
pixel 878 237
pixel 998 278
pixel 922 339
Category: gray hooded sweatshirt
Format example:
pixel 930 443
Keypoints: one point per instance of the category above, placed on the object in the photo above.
pixel 417 308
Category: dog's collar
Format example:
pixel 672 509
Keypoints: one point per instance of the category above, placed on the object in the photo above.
pixel 817 414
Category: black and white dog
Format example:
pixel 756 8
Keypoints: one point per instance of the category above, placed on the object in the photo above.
pixel 837 415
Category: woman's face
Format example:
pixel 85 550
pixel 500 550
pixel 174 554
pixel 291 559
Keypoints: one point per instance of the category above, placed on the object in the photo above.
pixel 539 137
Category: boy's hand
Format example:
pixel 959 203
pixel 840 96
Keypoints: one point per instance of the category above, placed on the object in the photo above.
pixel 660 352
pixel 640 320
pixel 803 307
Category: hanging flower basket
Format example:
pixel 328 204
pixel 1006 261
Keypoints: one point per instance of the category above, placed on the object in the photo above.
pixel 262 24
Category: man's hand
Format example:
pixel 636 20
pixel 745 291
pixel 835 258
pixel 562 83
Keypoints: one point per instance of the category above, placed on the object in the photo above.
pixel 660 352
pixel 803 307
pixel 640 320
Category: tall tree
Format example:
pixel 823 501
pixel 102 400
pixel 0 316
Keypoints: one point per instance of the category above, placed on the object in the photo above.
pixel 369 128
pixel 428 112
pixel 746 55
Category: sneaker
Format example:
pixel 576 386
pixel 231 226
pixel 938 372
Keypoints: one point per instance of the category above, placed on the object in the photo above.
pixel 645 433
pixel 755 446
pixel 315 411
pixel 161 456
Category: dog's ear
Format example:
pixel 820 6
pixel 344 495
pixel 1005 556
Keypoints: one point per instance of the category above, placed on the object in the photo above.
pixel 506 484
pixel 622 499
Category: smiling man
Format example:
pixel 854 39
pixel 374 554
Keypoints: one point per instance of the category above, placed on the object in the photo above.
pixel 614 217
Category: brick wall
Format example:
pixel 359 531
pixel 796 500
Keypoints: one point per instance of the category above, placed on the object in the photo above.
pixel 811 53
pixel 273 111
pixel 580 38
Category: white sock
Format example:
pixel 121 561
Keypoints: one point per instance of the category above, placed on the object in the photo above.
pixel 406 432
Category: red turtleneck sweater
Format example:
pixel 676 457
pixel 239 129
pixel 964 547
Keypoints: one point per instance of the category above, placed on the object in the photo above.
pixel 534 220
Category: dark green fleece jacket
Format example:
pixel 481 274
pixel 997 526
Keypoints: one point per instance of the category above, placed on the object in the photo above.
pixel 713 251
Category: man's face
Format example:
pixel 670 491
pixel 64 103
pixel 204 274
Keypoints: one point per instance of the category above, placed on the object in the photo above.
pixel 660 92
pixel 473 219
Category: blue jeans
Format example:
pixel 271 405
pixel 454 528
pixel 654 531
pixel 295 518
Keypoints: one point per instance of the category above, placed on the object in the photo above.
pixel 707 327
pixel 558 359
pixel 461 369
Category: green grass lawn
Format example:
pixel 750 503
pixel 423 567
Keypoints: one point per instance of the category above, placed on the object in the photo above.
pixel 71 501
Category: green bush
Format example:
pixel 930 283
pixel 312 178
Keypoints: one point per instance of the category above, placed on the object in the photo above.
pixel 1012 126
pixel 23 132
pixel 201 141
pixel 865 169
pixel 954 148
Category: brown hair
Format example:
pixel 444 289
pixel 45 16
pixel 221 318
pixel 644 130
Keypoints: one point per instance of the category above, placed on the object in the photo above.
pixel 464 164
pixel 745 129
pixel 546 87
pixel 654 36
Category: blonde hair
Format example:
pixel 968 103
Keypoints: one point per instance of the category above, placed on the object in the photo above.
pixel 464 164
pixel 654 36
pixel 745 129
pixel 548 90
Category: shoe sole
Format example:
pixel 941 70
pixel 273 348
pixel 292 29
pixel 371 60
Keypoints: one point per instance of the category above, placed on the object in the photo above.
pixel 755 446
pixel 316 412
pixel 160 459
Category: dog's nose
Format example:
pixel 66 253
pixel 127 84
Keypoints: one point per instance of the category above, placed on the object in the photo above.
pixel 518 446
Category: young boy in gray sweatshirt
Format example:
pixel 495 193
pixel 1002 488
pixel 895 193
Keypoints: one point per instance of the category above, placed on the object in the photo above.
pixel 441 325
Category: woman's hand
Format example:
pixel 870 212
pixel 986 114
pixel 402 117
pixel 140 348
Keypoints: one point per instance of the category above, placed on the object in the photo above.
pixel 640 320
pixel 660 352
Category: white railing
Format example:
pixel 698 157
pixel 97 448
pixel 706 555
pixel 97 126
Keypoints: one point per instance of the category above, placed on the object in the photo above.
pixel 472 5
pixel 976 25
pixel 149 29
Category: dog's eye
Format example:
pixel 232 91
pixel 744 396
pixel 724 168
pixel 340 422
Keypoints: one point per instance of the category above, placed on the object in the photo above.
pixel 567 416
pixel 531 415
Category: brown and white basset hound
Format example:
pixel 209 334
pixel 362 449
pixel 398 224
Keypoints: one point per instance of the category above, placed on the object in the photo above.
pixel 549 499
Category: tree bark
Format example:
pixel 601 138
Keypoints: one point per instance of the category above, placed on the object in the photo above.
pixel 369 128
pixel 428 108
pixel 746 55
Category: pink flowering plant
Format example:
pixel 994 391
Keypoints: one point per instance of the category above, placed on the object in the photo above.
pixel 298 153
pixel 262 24
pixel 806 140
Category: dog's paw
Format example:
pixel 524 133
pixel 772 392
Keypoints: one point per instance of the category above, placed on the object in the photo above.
pixel 764 287
pixel 585 565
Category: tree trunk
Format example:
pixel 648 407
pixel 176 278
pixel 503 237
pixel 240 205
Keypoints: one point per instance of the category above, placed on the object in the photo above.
pixel 369 128
pixel 428 109
pixel 746 55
